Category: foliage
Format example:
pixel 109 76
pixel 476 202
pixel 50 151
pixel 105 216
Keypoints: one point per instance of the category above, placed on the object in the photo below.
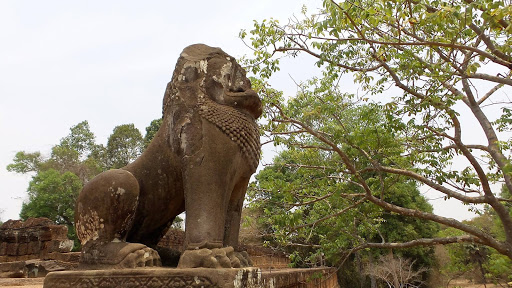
pixel 463 258
pixel 309 209
pixel 498 267
pixel 124 145
pixel 24 162
pixel 151 130
pixel 468 257
pixel 430 67
pixel 52 194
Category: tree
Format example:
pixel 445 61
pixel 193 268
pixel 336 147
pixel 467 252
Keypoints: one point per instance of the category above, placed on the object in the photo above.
pixel 395 272
pixel 307 208
pixel 448 61
pixel 124 145
pixel 24 162
pixel 75 153
pixel 151 130
pixel 52 194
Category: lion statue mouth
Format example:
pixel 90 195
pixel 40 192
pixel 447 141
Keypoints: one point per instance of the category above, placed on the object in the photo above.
pixel 252 102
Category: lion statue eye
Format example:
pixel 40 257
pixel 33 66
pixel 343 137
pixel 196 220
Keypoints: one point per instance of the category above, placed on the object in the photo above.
pixel 190 74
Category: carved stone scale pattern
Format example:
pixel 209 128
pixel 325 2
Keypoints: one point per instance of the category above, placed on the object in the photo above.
pixel 241 128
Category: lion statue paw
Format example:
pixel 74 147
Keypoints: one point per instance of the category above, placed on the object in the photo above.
pixel 225 257
pixel 115 255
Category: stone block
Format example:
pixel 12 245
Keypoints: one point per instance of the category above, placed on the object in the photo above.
pixel 10 236
pixel 13 269
pixel 62 246
pixel 11 224
pixel 12 249
pixel 71 257
pixel 59 232
pixel 194 277
pixel 45 234
pixel 31 268
pixel 303 278
pixel 23 237
pixel 155 277
pixel 26 257
pixel 33 235
pixel 33 247
pixel 36 222
pixel 3 248
pixel 22 249
pixel 38 268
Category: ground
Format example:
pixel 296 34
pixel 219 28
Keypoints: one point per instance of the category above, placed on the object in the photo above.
pixel 22 282
pixel 38 283
pixel 467 284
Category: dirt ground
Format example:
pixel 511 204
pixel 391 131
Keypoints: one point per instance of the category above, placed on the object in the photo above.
pixel 21 282
pixel 468 284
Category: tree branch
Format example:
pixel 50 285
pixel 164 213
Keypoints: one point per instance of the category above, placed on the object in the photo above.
pixel 484 237
pixel 351 68
pixel 357 203
pixel 424 242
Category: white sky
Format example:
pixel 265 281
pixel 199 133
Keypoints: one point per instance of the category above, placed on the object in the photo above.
pixel 108 62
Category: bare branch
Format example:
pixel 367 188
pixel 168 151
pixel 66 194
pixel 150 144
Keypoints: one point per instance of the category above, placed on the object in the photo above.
pixel 501 80
pixel 489 93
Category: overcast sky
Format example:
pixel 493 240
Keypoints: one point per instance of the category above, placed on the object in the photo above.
pixel 108 62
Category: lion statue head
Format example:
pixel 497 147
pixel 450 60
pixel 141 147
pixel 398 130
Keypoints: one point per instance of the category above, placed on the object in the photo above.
pixel 208 81
pixel 210 72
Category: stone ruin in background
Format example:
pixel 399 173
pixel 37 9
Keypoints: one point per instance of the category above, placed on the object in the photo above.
pixel 35 238
pixel 34 247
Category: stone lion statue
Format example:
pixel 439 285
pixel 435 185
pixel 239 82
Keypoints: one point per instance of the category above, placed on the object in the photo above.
pixel 200 161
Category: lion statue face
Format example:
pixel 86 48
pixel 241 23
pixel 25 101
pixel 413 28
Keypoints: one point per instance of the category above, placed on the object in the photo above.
pixel 205 71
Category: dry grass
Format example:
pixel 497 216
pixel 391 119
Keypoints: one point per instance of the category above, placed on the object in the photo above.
pixel 468 284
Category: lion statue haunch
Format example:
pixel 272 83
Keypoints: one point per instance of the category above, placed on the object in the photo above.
pixel 200 161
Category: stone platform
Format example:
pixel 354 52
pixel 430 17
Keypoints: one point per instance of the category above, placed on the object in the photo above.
pixel 197 277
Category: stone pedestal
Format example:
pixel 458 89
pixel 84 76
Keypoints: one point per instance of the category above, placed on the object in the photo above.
pixel 197 277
